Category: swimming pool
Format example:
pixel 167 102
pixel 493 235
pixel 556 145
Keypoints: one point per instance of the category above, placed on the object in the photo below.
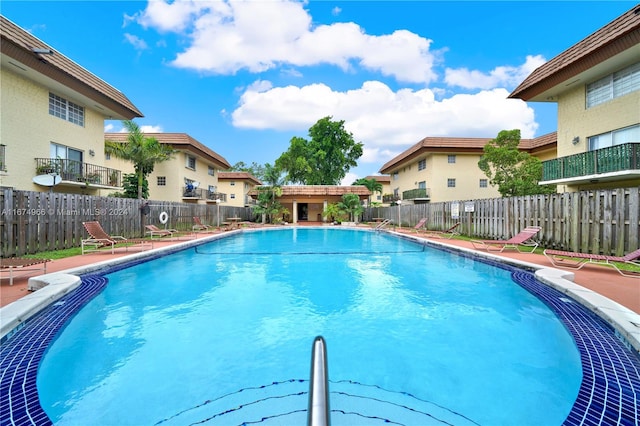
pixel 390 297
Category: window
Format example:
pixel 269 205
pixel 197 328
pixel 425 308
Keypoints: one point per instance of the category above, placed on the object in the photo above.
pixel 3 161
pixel 232 196
pixel 422 164
pixel 483 183
pixel 617 137
pixel 232 183
pixel 614 85
pixel 211 171
pixel 451 183
pixel 67 110
pixel 451 159
pixel 422 185
pixel 161 181
pixel 191 162
pixel 107 156
pixel 213 189
pixel 395 176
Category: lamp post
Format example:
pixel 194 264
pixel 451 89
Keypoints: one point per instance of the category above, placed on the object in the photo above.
pixel 218 204
pixel 399 218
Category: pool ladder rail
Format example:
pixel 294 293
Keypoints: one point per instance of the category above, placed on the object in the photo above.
pixel 383 224
pixel 318 411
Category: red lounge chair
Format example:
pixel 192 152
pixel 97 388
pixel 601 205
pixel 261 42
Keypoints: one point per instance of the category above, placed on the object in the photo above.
pixel 420 224
pixel 22 265
pixel 154 231
pixel 575 260
pixel 199 226
pixel 523 238
pixel 99 239
pixel 449 233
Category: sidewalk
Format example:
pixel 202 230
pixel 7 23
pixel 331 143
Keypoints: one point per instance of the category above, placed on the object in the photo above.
pixel 603 280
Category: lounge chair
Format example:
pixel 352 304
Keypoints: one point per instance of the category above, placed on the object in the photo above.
pixel 99 239
pixel 420 224
pixel 523 238
pixel 199 226
pixel 154 231
pixel 449 233
pixel 22 266
pixel 575 260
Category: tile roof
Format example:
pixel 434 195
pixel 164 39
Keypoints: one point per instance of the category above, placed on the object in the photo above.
pixel 380 178
pixel 321 190
pixel 618 36
pixel 462 145
pixel 238 176
pixel 180 141
pixel 17 48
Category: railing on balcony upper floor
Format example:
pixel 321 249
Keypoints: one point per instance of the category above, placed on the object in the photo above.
pixel 390 198
pixel 212 195
pixel 616 158
pixel 79 172
pixel 418 193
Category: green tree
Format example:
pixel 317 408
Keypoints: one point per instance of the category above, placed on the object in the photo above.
pixel 513 171
pixel 144 152
pixel 267 202
pixel 371 184
pixel 255 169
pixel 325 159
pixel 351 205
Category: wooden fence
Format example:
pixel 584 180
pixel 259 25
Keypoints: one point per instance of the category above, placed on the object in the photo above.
pixel 600 221
pixel 31 222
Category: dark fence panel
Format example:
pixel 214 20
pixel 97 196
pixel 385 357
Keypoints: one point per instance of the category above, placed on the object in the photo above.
pixel 600 221
pixel 31 222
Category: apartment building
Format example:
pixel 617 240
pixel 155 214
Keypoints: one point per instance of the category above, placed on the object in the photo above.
pixel 596 84
pixel 191 176
pixel 236 186
pixel 439 169
pixel 52 115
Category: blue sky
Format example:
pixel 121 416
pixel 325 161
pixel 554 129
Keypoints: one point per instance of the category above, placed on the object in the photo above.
pixel 245 77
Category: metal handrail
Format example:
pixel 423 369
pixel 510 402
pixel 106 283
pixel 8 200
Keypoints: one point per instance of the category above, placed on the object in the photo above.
pixel 383 224
pixel 318 411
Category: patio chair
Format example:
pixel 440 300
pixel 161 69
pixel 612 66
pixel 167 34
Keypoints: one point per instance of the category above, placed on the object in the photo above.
pixel 22 266
pixel 154 231
pixel 449 233
pixel 523 238
pixel 99 239
pixel 199 226
pixel 421 224
pixel 575 260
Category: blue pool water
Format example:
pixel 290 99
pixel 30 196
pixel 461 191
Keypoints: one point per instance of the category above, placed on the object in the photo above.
pixel 221 334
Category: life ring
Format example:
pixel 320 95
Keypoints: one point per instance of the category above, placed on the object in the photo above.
pixel 164 217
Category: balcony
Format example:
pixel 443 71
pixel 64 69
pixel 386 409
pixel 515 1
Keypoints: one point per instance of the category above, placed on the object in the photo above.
pixel 389 198
pixel 212 196
pixel 613 163
pixel 78 173
pixel 417 195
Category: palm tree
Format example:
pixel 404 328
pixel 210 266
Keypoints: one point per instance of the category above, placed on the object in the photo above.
pixel 267 202
pixel 371 184
pixel 144 152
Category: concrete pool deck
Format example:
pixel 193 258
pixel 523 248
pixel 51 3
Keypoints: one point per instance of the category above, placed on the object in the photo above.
pixel 592 281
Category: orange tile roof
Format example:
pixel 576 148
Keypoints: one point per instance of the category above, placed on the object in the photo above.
pixel 181 141
pixel 379 178
pixel 17 44
pixel 461 145
pixel 321 190
pixel 621 34
pixel 238 176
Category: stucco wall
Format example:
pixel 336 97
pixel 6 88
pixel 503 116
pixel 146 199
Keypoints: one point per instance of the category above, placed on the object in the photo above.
pixel 27 130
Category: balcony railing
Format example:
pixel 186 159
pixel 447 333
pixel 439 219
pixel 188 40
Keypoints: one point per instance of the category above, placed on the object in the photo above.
pixel 79 172
pixel 413 194
pixel 616 158
pixel 390 198
pixel 212 195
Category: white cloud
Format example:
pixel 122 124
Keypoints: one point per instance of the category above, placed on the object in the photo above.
pixel 502 76
pixel 135 41
pixel 151 129
pixel 386 121
pixel 111 128
pixel 228 36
